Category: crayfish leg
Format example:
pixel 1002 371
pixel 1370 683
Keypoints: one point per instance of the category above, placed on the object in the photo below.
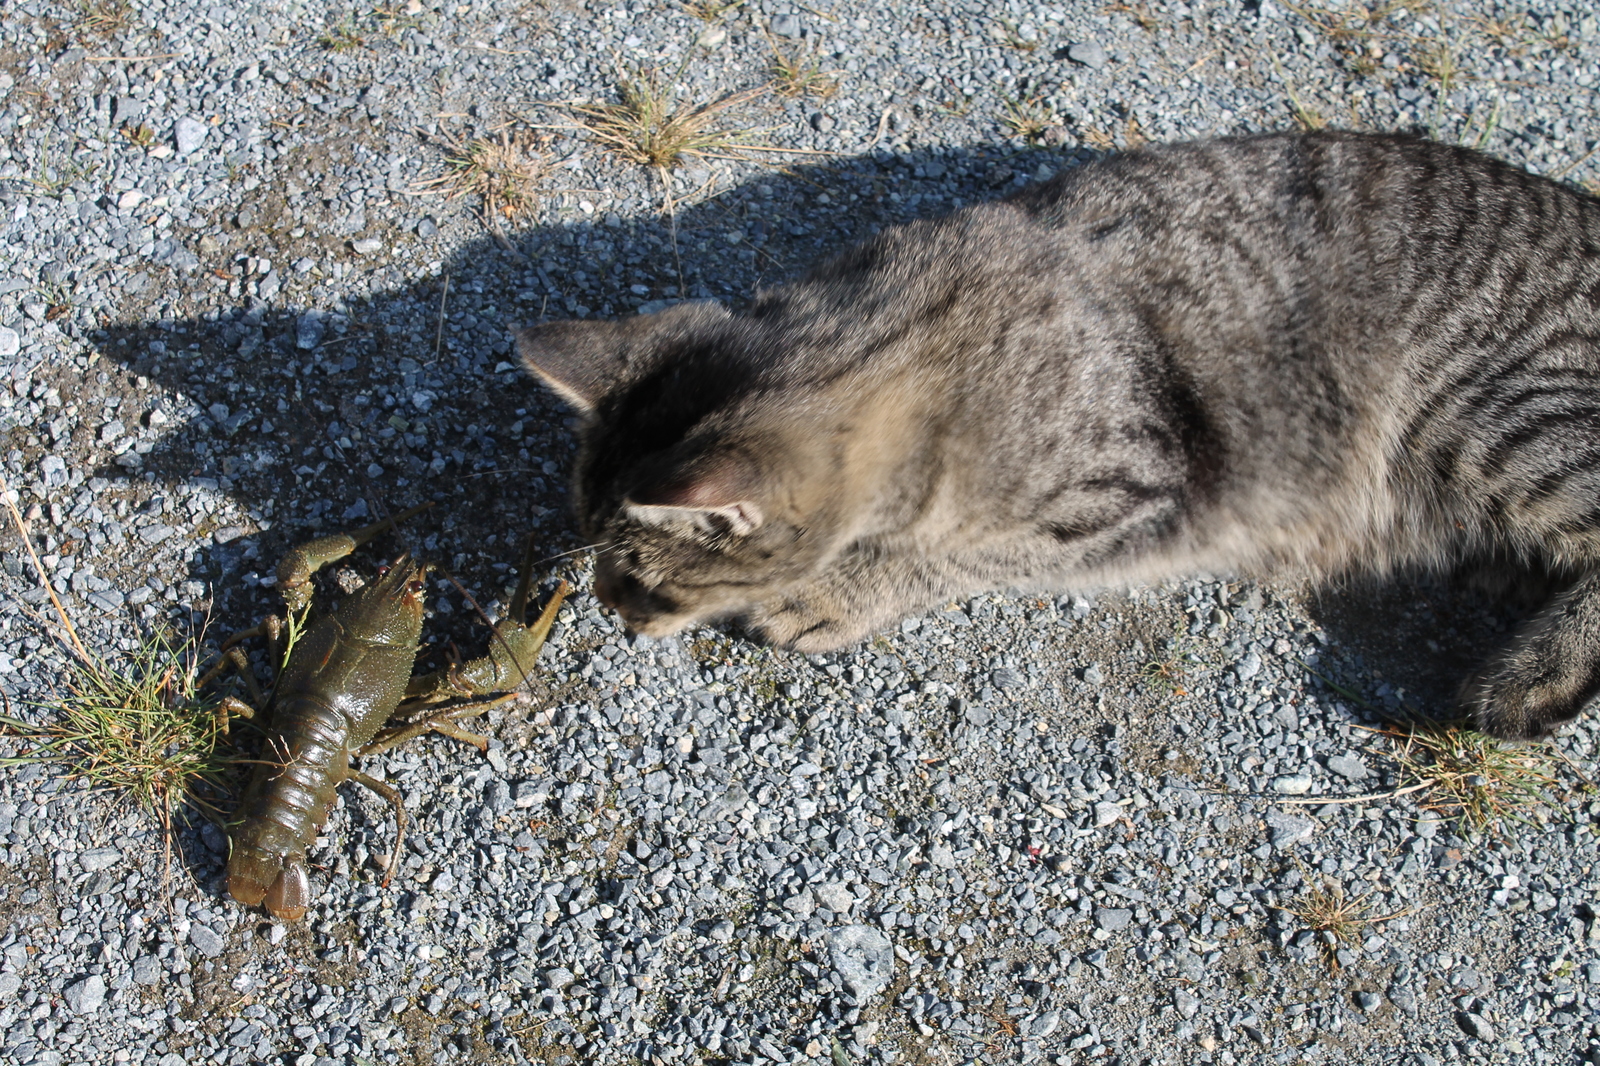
pixel 392 794
pixel 443 722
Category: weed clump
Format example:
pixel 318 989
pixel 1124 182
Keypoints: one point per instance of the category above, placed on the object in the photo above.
pixel 142 730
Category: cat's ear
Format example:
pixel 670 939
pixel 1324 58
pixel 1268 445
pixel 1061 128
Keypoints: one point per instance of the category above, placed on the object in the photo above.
pixel 584 360
pixel 579 360
pixel 715 495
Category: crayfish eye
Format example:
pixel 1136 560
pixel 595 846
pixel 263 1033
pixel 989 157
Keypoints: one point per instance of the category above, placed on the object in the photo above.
pixel 416 585
pixel 383 570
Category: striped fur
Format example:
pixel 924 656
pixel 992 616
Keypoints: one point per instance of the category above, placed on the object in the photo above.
pixel 1280 355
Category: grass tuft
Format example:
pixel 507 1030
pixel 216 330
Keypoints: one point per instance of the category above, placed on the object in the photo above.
pixel 103 18
pixel 649 127
pixel 342 37
pixel 1028 120
pixel 710 10
pixel 1475 777
pixel 1337 919
pixel 500 171
pixel 799 73
pixel 142 730
pixel 1139 12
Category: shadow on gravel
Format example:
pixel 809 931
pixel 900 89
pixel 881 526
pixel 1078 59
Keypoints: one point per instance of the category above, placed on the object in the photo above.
pixel 321 418
pixel 1406 644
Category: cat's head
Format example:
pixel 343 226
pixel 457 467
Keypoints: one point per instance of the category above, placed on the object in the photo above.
pixel 688 475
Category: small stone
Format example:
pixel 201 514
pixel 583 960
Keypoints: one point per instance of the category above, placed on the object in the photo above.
pixel 1088 53
pixel 802 903
pixel 1368 1001
pixel 366 246
pixel 189 133
pixel 146 970
pixel 712 36
pixel 1186 1003
pixel 862 957
pixel 1094 675
pixel 99 859
pixel 722 932
pixel 1106 814
pixel 1347 766
pixel 206 940
pixel 155 534
pixel 1248 667
pixel 130 199
pixel 559 978
pixel 1113 919
pixel 1007 678
pixel 428 227
pixel 86 996
pixel 1292 784
pixel 1044 1024
pixel 785 25
pixel 1476 1026
pixel 1288 830
pixel 308 330
pixel 10 342
pixel 834 896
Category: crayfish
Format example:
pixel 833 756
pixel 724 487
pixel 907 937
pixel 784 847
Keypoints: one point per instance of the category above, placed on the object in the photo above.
pixel 345 676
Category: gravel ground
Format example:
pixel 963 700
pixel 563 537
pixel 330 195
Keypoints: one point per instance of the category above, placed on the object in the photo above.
pixel 235 313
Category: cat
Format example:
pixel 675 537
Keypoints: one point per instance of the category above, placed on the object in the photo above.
pixel 1285 355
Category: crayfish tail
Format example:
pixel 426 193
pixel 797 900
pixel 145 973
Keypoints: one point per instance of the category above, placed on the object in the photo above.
pixel 246 889
pixel 290 895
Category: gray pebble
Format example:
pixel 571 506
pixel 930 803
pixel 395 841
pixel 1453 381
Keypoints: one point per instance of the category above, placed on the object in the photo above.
pixel 9 984
pixel 1288 829
pixel 1292 784
pixel 10 342
pixel 1089 53
pixel 1113 919
pixel 189 134
pixel 308 330
pixel 862 957
pixel 785 25
pixel 206 940
pixel 1347 766
pixel 146 970
pixel 86 996
pixel 99 859
pixel 366 246
pixel 1476 1026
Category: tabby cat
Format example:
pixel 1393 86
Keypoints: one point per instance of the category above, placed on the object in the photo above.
pixel 1273 355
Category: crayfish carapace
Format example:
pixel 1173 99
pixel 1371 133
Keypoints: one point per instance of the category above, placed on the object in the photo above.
pixel 346 676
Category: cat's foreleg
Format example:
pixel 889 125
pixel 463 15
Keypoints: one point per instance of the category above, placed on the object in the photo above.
pixel 860 595
pixel 1551 669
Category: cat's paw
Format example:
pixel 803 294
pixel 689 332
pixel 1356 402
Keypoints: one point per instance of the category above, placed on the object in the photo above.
pixel 1519 700
pixel 801 625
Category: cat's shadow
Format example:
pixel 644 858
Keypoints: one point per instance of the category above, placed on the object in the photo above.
pixel 318 416
pixel 1404 645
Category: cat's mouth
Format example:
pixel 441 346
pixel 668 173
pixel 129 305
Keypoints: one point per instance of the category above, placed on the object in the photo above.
pixel 645 610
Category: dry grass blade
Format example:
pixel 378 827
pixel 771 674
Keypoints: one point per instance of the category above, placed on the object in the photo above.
pixel 1475 776
pixel 648 127
pixel 499 171
pixel 143 730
